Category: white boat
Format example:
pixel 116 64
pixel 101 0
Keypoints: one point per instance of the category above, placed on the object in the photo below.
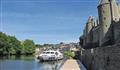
pixel 50 55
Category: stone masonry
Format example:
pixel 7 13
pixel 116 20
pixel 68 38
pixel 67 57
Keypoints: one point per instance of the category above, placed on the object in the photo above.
pixel 102 58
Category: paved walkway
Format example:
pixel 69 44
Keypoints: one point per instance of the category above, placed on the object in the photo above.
pixel 70 65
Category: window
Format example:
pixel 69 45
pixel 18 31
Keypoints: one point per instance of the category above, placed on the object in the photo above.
pixel 106 25
pixel 104 18
pixel 103 11
pixel 91 19
pixel 56 53
pixel 47 52
pixel 52 52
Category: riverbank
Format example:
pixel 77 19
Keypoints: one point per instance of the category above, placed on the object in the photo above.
pixel 70 64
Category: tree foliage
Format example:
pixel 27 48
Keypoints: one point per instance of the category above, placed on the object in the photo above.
pixel 69 54
pixel 30 46
pixel 11 45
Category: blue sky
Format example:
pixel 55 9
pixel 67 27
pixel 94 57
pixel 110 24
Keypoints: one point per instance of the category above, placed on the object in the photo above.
pixel 46 21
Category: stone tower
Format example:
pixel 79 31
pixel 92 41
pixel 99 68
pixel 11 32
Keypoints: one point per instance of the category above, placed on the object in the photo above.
pixel 104 13
pixel 89 25
pixel 108 12
pixel 114 10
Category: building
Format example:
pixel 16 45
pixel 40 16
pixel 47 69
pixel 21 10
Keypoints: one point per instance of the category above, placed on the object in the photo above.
pixel 106 29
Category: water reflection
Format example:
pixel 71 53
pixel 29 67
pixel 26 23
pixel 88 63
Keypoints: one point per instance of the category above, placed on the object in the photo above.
pixel 26 63
pixel 22 57
pixel 54 65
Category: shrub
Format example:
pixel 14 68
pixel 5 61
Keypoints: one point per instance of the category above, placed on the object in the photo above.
pixel 69 54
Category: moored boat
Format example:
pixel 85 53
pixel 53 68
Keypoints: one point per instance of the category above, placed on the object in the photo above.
pixel 50 55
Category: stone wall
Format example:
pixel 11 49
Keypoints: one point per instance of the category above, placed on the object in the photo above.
pixel 102 58
pixel 95 34
pixel 117 32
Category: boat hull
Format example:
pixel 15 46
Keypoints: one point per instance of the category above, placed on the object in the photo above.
pixel 49 58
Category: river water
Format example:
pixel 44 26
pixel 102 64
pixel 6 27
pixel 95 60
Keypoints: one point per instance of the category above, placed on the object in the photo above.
pixel 27 63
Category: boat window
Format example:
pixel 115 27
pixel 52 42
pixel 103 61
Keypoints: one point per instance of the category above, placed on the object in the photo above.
pixel 44 52
pixel 52 52
pixel 47 52
pixel 56 53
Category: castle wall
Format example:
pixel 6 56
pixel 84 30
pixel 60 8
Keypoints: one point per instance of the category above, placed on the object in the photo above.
pixel 95 34
pixel 84 37
pixel 117 32
pixel 102 58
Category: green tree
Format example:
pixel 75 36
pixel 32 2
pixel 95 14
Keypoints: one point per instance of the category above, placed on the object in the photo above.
pixel 15 45
pixel 9 44
pixel 4 47
pixel 28 47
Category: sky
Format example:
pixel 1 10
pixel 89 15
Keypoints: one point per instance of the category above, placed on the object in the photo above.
pixel 46 21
